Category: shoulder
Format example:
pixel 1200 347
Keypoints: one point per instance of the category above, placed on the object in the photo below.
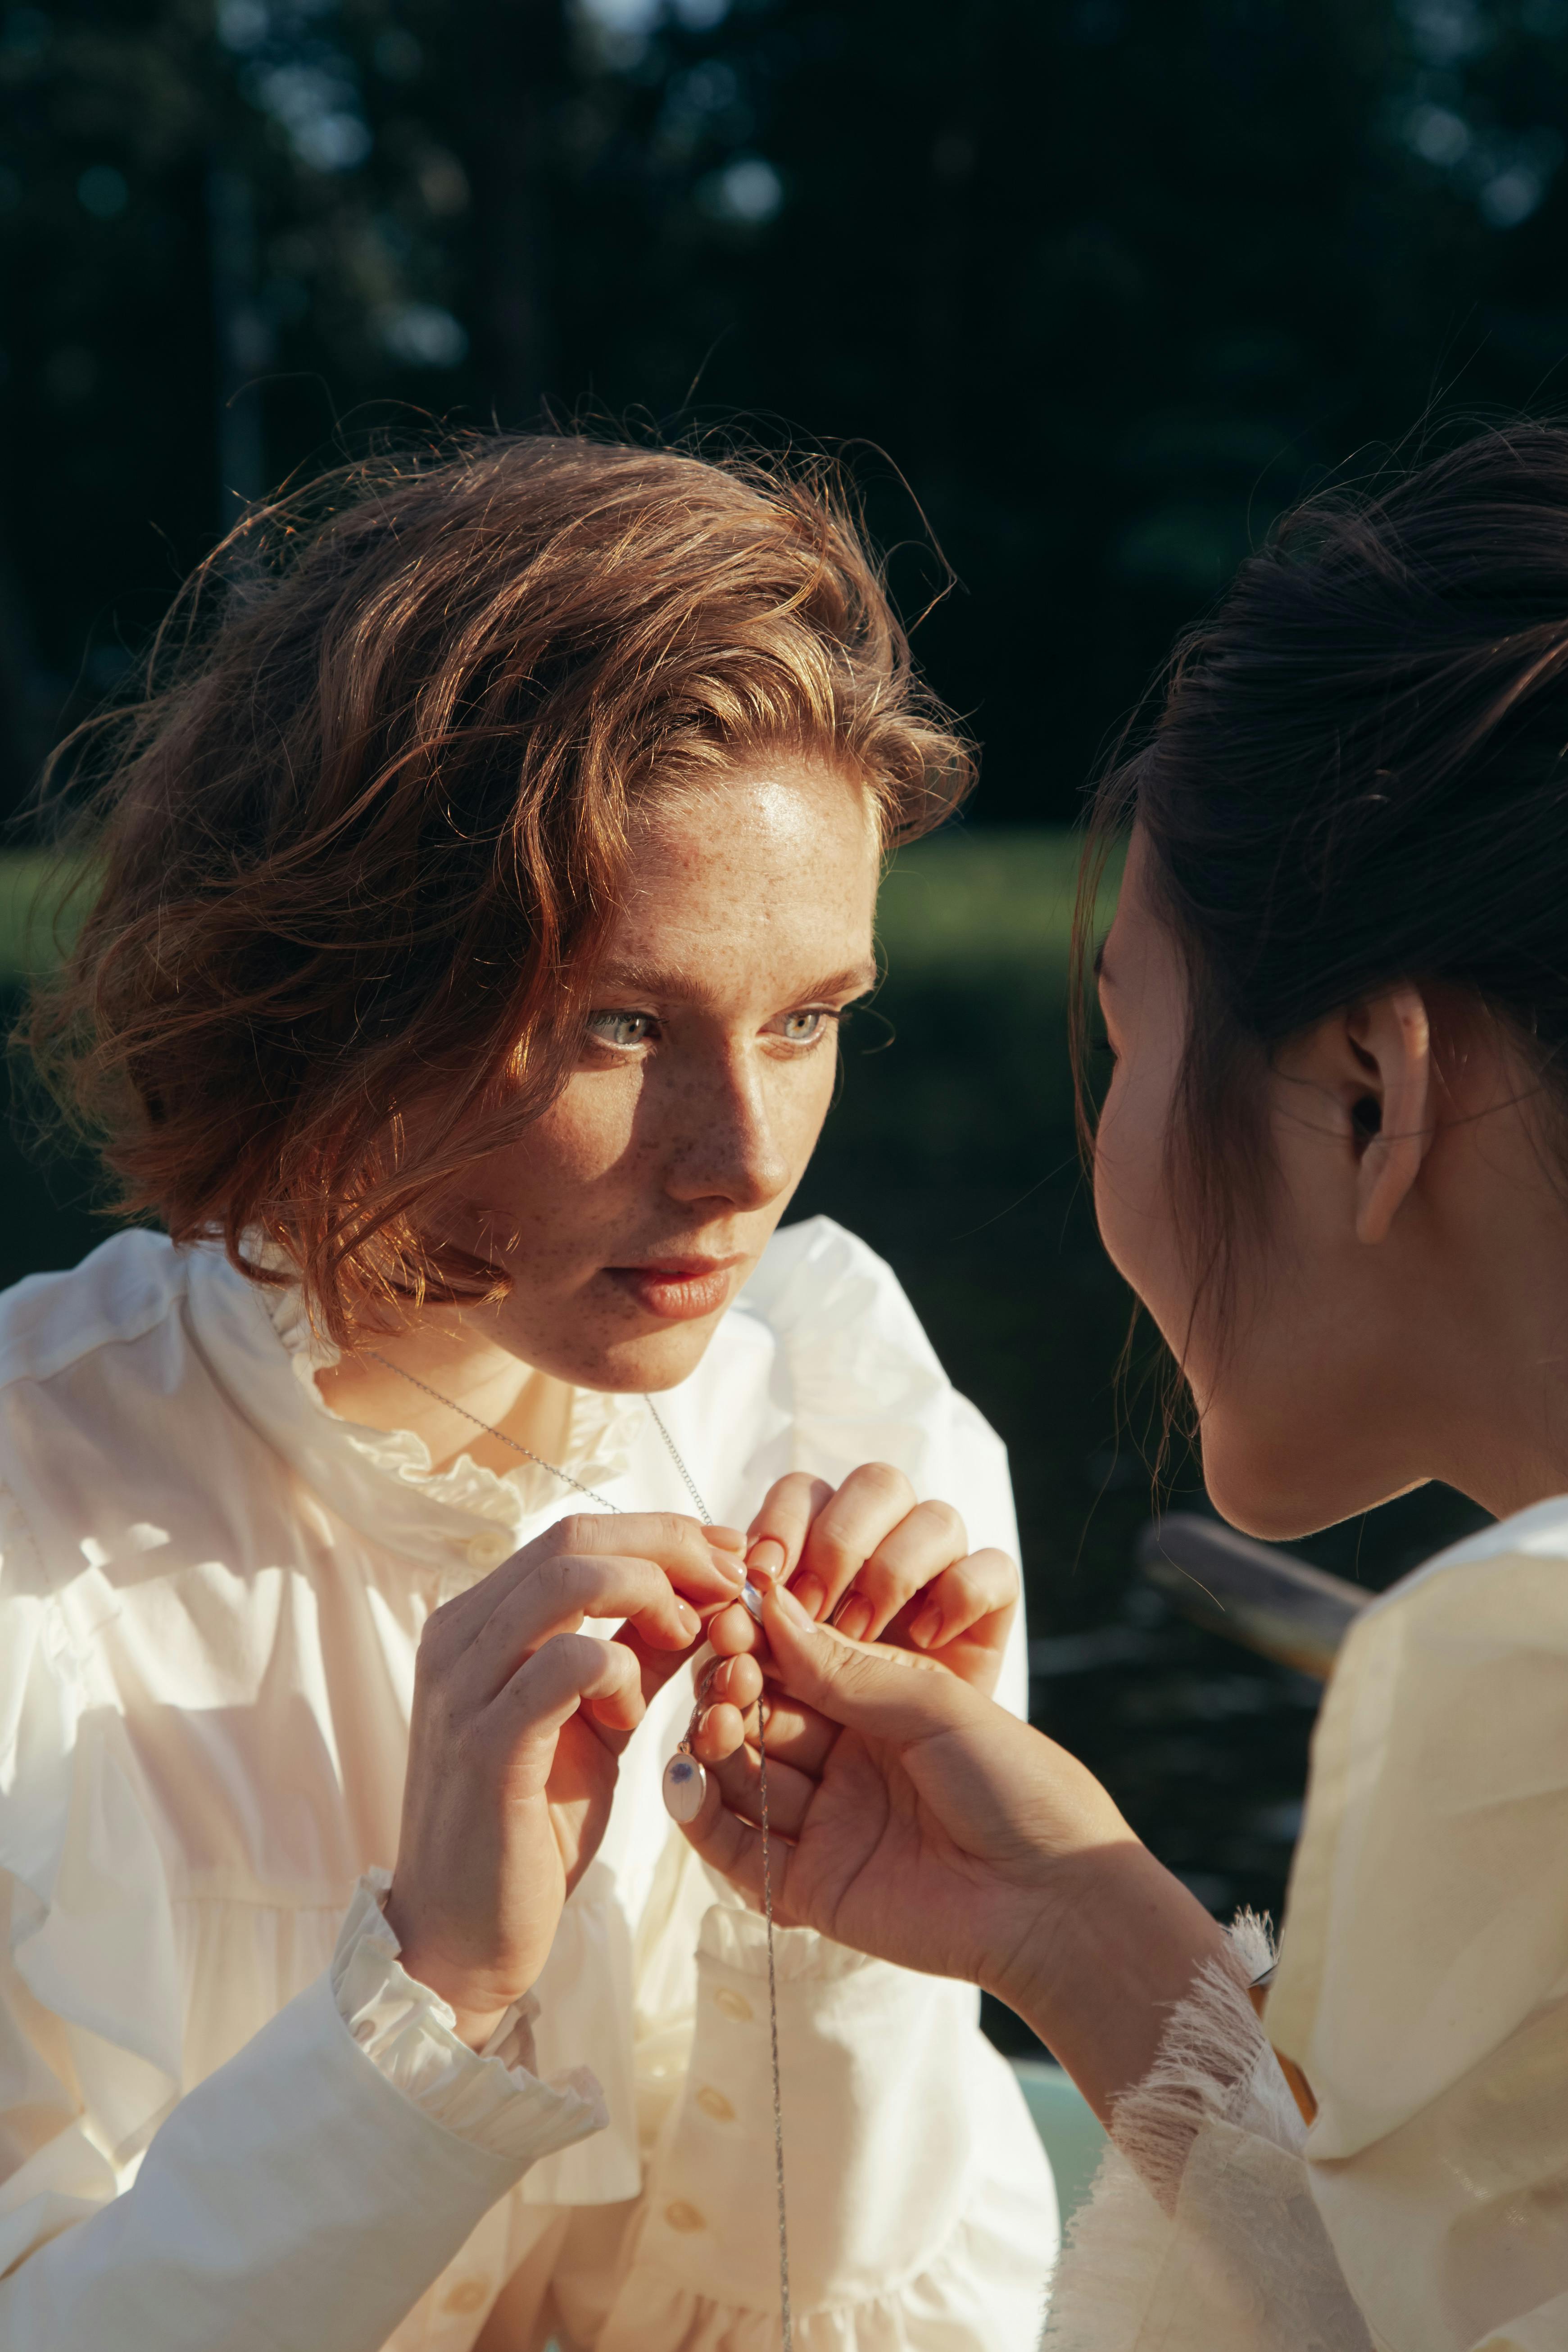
pixel 119 1293
pixel 816 1280
pixel 1424 1920
pixel 89 1360
pixel 858 1374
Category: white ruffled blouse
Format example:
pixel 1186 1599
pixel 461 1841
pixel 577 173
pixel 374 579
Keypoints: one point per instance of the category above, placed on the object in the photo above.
pixel 1422 1990
pixel 227 2117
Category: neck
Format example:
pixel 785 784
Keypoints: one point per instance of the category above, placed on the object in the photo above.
pixel 477 1378
pixel 1486 1391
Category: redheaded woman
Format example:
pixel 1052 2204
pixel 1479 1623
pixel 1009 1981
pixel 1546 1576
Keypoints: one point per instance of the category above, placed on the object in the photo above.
pixel 476 897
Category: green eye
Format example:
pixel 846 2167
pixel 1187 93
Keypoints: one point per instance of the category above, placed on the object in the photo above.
pixel 620 1029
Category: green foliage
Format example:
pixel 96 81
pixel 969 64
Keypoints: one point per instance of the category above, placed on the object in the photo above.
pixel 1108 280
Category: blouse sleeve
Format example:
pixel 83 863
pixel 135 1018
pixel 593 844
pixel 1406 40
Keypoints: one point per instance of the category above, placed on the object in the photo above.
pixel 1202 2234
pixel 307 2192
pixel 1423 1992
pixel 921 2208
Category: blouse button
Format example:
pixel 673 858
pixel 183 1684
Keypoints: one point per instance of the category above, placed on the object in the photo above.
pixel 684 2217
pixel 469 2295
pixel 734 2004
pixel 487 1550
pixel 713 2103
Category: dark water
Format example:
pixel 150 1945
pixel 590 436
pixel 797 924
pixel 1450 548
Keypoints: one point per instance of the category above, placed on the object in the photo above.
pixel 951 1151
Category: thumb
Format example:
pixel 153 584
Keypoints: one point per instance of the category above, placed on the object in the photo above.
pixel 888 1694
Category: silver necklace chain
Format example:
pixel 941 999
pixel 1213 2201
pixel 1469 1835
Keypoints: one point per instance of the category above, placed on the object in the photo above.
pixel 706 1516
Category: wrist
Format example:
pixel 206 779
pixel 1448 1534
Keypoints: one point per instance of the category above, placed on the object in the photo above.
pixel 1108 1943
pixel 477 2005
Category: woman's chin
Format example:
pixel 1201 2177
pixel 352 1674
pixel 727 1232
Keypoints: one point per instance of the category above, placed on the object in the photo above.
pixel 1275 1496
pixel 626 1363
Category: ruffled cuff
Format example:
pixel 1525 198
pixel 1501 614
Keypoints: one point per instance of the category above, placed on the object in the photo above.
pixel 1202 2234
pixel 491 2097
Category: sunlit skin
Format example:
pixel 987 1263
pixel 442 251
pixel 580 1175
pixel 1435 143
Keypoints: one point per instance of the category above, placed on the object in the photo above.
pixel 706 1073
pixel 1402 1314
pixel 627 1218
pixel 1399 1312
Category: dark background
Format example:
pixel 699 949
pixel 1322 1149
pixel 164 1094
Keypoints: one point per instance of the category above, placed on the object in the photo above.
pixel 1084 289
pixel 1106 280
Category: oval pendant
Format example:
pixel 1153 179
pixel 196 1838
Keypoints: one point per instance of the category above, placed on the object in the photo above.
pixel 685 1786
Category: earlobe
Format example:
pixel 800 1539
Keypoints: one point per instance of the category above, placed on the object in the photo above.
pixel 1393 1040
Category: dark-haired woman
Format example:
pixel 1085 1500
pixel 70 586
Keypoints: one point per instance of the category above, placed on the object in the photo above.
pixel 476 906
pixel 1332 1162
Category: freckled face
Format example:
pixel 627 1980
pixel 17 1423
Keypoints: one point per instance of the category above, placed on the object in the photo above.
pixel 632 1212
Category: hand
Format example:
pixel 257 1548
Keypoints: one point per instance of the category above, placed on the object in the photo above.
pixel 882 1566
pixel 518 1718
pixel 917 1822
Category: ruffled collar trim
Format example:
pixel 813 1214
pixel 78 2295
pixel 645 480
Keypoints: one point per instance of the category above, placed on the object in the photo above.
pixel 600 1436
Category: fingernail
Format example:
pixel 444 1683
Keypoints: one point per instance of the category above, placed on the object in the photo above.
pixel 687 1620
pixel 767 1554
pixel 729 1564
pixel 727 1539
pixel 852 1617
pixel 791 1606
pixel 926 1628
pixel 811 1592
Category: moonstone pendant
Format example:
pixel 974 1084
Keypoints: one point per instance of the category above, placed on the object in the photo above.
pixel 685 1786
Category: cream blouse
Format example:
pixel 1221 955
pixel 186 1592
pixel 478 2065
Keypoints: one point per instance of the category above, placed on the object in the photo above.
pixel 1422 1990
pixel 227 2117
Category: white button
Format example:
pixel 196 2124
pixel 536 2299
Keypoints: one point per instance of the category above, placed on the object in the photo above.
pixel 469 2295
pixel 487 1550
pixel 734 2004
pixel 684 2217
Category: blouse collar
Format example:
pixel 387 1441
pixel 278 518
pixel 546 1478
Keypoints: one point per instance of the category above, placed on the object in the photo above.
pixel 261 1344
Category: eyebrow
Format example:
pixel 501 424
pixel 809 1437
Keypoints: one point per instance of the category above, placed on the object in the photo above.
pixel 671 984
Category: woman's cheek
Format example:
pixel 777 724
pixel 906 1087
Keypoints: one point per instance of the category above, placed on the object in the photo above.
pixel 1127 1188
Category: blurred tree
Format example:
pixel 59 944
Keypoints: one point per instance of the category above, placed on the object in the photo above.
pixel 1106 280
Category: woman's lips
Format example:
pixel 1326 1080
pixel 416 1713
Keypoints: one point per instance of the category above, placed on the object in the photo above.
pixel 679 1289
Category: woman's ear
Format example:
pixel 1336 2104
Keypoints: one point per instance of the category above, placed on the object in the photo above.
pixel 1392 1110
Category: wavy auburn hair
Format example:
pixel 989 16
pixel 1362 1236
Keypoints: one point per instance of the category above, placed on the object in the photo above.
pixel 351 854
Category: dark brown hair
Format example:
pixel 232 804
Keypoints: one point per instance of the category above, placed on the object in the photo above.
pixel 1359 775
pixel 354 851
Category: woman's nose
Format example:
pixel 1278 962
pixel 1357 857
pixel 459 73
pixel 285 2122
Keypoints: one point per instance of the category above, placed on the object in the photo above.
pixel 726 1146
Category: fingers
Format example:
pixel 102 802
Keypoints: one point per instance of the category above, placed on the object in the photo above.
pixel 736 1679
pixel 702 1563
pixel 554 1597
pixel 982 1590
pixel 571 1670
pixel 734 1848
pixel 869 1558
pixel 776 1536
pixel 845 1533
pixel 727 1689
pixel 882 1691
pixel 923 1544
pixel 735 1632
pixel 794 1733
pixel 790 1791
